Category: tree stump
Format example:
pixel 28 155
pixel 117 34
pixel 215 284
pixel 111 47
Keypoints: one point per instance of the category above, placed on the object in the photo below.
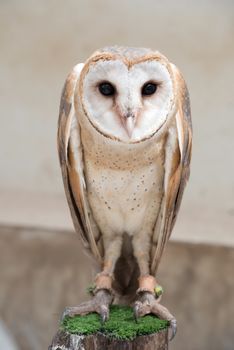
pixel 121 331
pixel 98 341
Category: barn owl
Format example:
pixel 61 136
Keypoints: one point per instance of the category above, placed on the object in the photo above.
pixel 124 143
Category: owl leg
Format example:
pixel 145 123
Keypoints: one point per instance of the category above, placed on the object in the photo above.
pixel 149 292
pixel 99 304
pixel 148 302
pixel 112 245
pixel 102 293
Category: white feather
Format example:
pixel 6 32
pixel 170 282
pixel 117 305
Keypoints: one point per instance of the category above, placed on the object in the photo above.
pixel 151 111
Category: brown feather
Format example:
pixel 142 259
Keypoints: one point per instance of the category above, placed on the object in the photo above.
pixel 179 173
pixel 73 180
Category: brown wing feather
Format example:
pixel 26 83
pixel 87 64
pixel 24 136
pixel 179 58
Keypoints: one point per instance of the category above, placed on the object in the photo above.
pixel 178 173
pixel 185 116
pixel 72 168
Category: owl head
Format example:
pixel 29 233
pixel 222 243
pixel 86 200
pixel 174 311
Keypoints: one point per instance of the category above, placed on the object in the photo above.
pixel 127 94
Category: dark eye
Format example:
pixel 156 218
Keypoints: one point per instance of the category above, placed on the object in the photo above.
pixel 149 89
pixel 106 89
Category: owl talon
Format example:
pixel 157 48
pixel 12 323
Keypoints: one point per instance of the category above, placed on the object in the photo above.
pixel 173 329
pixel 67 312
pixel 136 309
pixel 104 313
pixel 99 304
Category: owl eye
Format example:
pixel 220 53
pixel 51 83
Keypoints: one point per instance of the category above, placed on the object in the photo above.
pixel 106 89
pixel 148 89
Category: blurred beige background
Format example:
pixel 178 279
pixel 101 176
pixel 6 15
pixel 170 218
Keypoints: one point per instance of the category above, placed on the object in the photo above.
pixel 40 41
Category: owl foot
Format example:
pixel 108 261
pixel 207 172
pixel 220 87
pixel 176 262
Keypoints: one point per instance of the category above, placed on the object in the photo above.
pixel 148 304
pixel 99 304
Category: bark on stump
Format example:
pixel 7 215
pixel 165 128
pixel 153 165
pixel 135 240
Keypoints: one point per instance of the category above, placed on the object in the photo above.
pixel 67 341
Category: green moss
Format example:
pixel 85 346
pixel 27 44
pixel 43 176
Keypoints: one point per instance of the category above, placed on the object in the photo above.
pixel 121 324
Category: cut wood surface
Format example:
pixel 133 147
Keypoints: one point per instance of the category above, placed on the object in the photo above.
pixel 66 341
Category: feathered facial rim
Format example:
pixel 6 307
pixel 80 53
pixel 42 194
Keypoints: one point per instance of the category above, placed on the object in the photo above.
pixel 129 63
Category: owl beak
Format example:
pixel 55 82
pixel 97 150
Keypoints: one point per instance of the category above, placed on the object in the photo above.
pixel 128 121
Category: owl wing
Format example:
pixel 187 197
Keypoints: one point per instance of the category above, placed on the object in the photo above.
pixel 71 162
pixel 177 169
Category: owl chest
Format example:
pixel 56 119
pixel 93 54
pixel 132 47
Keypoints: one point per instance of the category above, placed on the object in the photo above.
pixel 125 193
